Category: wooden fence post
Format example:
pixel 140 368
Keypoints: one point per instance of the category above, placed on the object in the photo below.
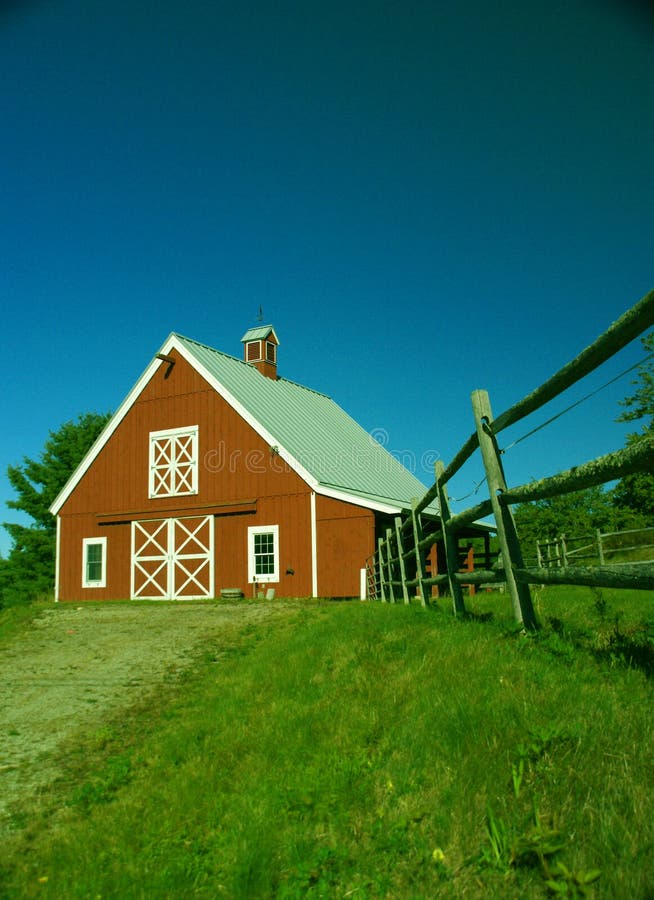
pixel 600 549
pixel 450 542
pixel 400 556
pixel 380 554
pixel 470 567
pixel 389 564
pixel 417 537
pixel 523 609
pixel 564 550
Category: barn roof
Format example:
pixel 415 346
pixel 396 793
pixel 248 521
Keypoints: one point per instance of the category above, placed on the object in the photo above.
pixel 311 432
pixel 259 333
pixel 306 428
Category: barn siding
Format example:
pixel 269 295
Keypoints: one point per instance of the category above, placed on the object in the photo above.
pixel 346 538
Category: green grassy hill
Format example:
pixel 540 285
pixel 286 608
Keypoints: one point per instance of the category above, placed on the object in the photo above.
pixel 360 750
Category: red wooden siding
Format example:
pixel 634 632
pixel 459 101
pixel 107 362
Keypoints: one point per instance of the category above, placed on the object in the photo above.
pixel 346 538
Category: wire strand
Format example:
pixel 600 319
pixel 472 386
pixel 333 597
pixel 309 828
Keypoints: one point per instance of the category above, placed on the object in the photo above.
pixel 575 404
pixel 475 490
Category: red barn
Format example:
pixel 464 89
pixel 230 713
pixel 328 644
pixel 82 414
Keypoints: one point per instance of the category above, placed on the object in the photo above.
pixel 216 473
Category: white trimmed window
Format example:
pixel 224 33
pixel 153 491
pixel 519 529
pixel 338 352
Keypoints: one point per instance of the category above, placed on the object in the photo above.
pixel 174 462
pixel 94 562
pixel 263 553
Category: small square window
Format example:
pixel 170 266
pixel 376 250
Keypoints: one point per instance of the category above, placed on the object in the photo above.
pixel 94 562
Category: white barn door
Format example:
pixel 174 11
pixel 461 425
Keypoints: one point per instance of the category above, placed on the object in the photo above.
pixel 173 558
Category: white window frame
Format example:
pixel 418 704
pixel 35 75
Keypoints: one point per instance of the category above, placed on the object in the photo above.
pixel 102 581
pixel 271 577
pixel 171 465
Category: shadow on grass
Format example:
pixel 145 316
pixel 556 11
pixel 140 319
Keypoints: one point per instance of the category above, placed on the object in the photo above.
pixel 635 650
pixel 632 647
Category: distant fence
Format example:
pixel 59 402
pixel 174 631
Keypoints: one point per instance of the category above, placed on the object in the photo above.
pixel 405 560
pixel 604 549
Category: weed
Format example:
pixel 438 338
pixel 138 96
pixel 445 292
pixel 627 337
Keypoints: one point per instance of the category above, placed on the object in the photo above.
pixel 564 883
pixel 538 842
pixel 498 853
pixel 600 604
pixel 517 776
pixel 508 846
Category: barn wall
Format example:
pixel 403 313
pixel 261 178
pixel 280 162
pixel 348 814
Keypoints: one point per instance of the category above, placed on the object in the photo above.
pixel 73 530
pixel 292 513
pixel 236 465
pixel 346 537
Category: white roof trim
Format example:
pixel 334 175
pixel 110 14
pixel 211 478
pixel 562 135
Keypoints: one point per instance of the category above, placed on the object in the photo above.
pixel 357 500
pixel 172 343
pixel 104 436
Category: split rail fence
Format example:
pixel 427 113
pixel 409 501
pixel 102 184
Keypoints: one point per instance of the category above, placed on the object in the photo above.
pixel 566 550
pixel 400 568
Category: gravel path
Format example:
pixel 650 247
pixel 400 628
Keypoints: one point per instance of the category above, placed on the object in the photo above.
pixel 77 665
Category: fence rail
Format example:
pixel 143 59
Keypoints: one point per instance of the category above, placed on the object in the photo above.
pixel 406 561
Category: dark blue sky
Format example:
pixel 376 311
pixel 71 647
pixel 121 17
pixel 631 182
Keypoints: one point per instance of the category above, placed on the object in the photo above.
pixel 425 198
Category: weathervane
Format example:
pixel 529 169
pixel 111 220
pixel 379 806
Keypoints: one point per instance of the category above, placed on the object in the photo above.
pixel 260 316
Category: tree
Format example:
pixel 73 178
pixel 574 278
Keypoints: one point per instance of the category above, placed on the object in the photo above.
pixel 640 405
pixel 575 514
pixel 636 492
pixel 28 571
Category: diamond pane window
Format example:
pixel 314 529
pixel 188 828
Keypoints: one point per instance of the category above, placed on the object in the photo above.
pixel 174 462
pixel 263 553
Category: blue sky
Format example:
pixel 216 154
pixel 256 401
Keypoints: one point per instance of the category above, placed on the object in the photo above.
pixel 424 197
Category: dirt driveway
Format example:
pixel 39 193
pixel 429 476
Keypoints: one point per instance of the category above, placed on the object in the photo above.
pixel 78 665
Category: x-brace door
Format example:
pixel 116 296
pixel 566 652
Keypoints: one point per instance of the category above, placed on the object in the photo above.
pixel 172 558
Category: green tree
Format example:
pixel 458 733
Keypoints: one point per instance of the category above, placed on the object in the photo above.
pixel 575 514
pixel 635 492
pixel 28 570
pixel 640 405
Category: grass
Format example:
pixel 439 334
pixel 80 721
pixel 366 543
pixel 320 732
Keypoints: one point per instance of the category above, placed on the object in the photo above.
pixel 14 618
pixel 369 751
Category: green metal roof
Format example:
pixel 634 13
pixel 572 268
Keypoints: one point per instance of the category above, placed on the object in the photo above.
pixel 337 452
pixel 259 333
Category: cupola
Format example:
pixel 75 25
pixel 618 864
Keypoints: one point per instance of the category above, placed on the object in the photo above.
pixel 260 349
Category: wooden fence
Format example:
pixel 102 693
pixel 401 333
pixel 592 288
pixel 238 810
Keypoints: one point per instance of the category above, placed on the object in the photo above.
pixel 404 563
pixel 566 550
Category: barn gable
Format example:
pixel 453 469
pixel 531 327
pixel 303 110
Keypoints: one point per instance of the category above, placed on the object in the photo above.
pixel 309 433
